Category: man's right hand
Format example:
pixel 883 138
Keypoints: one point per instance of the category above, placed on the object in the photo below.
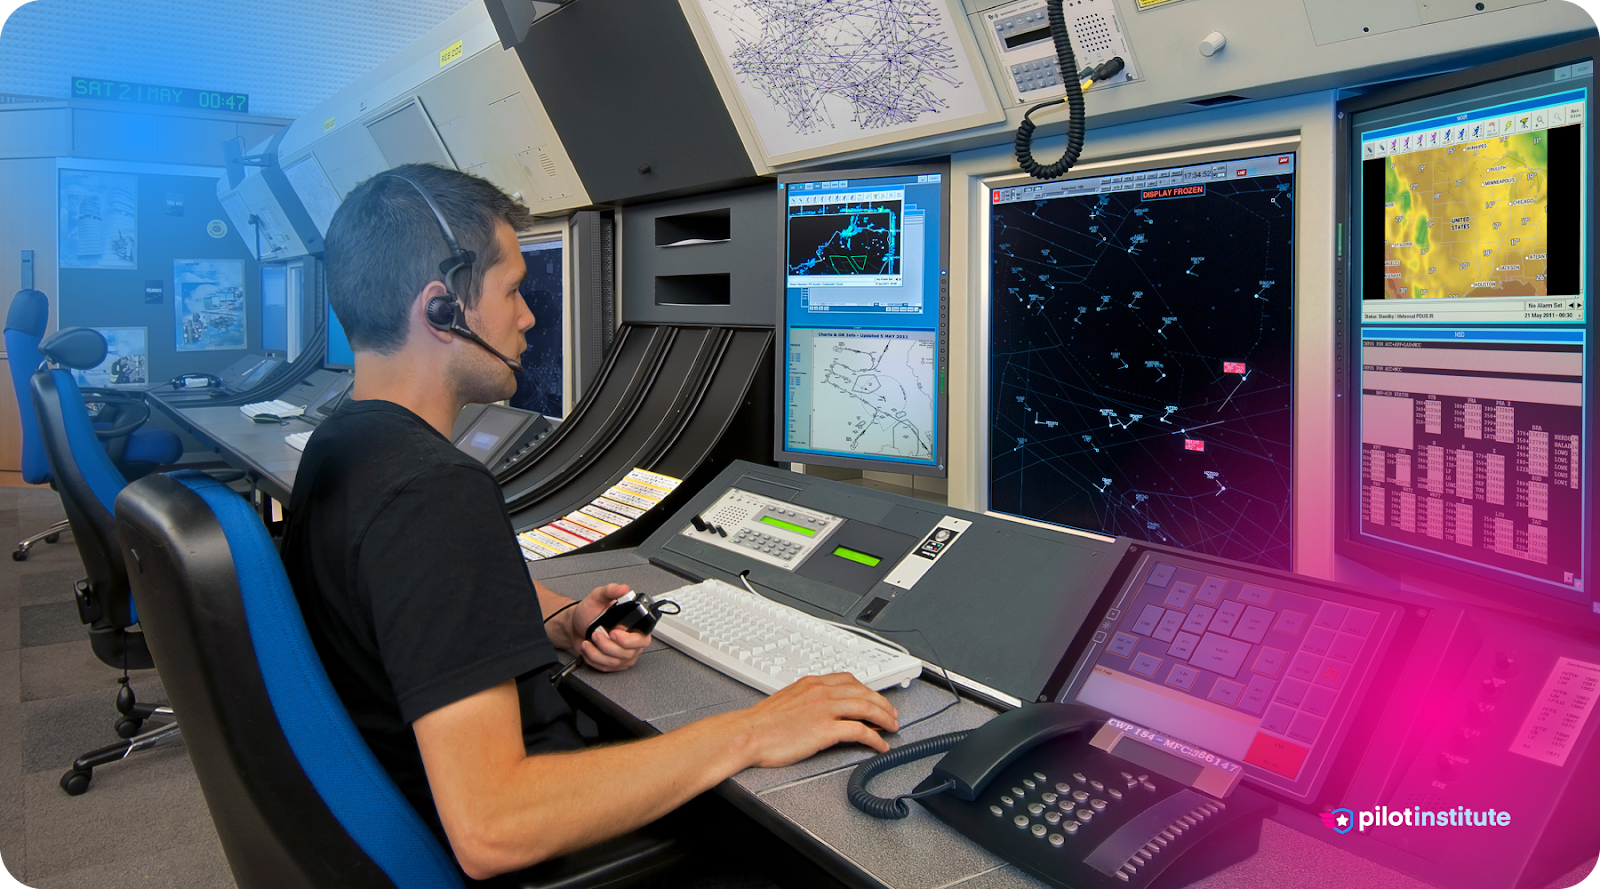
pixel 814 714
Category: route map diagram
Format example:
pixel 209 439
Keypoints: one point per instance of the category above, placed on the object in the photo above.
pixel 1142 360
pixel 845 239
pixel 1468 219
pixel 874 393
pixel 814 73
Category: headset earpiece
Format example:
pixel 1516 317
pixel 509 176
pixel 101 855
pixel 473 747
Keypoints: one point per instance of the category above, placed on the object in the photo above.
pixel 441 312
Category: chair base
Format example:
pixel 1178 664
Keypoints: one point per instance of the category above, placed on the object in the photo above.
pixel 48 535
pixel 75 781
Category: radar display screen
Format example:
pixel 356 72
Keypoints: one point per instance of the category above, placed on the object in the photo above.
pixel 864 321
pixel 539 384
pixel 1141 355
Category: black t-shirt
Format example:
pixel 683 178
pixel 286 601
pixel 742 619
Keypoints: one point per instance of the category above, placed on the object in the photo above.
pixel 408 572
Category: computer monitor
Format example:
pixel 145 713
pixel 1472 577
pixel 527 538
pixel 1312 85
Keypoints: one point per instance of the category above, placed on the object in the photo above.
pixel 339 355
pixel 275 309
pixel 540 384
pixel 1466 451
pixel 865 319
pixel 1141 350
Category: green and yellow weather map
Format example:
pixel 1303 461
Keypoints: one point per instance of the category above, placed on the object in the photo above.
pixel 1468 220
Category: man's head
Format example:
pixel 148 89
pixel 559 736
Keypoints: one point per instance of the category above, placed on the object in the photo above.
pixel 384 249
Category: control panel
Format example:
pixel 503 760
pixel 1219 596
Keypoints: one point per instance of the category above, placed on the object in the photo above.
pixel 765 529
pixel 1019 34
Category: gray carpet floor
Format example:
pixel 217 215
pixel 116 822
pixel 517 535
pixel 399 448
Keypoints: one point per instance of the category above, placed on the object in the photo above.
pixel 144 822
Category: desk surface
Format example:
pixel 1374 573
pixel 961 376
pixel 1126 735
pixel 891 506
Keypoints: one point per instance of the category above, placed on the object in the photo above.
pixel 805 803
pixel 244 444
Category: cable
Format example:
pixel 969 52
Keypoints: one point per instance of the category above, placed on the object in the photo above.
pixel 1076 84
pixel 893 809
pixel 559 610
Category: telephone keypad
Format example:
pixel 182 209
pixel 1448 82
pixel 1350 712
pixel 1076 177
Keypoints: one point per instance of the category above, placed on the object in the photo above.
pixel 1037 830
pixel 1053 817
pixel 1020 821
pixel 996 811
pixel 1035 809
pixel 1007 801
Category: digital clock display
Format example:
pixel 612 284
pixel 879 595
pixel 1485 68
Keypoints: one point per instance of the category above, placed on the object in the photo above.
pixel 151 94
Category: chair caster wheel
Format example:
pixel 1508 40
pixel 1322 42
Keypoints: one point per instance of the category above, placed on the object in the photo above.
pixel 52 538
pixel 76 781
pixel 19 555
pixel 127 727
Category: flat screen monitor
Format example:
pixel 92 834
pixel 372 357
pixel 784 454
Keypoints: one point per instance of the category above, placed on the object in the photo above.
pixel 274 309
pixel 1141 352
pixel 339 356
pixel 540 384
pixel 1468 379
pixel 865 319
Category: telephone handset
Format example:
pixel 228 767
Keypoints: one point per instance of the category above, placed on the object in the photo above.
pixel 1081 799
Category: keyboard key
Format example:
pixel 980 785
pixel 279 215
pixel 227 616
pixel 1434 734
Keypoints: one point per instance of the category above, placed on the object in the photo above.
pixel 1305 728
pixel 1319 700
pixel 1161 575
pixel 1211 590
pixel 1317 641
pixel 1183 646
pixel 1345 647
pixel 1291 692
pixel 1359 621
pixel 1148 619
pixel 1257 694
pixel 1181 676
pixel 1290 622
pixel 1122 644
pixel 1226 691
pixel 1270 661
pixel 1305 667
pixel 1146 664
pixel 1330 615
pixel 1253 624
pixel 1220 654
pixel 1198 619
pixel 1168 626
pixel 1277 719
pixel 1332 674
pixel 1178 596
pixel 1228 614
pixel 1255 595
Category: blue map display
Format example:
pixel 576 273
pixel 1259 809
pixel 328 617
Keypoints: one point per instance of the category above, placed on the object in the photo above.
pixel 1142 362
pixel 845 239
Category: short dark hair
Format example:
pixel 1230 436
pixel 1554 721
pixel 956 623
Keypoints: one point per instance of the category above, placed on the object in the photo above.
pixel 384 246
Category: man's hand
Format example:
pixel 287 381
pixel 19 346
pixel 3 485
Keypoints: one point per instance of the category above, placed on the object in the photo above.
pixel 607 652
pixel 813 714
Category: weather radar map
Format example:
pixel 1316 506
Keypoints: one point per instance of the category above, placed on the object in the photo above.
pixel 1468 219
pixel 815 73
pixel 1142 355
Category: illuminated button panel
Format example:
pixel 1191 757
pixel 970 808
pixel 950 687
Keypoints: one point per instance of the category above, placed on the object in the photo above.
pixel 764 528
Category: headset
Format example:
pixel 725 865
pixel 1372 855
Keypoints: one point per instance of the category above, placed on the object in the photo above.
pixel 445 312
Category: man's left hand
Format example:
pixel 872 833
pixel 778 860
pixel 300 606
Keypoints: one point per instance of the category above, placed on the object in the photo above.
pixel 607 652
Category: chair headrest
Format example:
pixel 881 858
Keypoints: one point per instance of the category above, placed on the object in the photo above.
pixel 80 348
pixel 30 312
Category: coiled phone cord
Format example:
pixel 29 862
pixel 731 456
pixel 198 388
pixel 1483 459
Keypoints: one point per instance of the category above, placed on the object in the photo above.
pixel 893 809
pixel 1068 63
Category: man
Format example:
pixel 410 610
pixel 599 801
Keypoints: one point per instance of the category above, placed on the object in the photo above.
pixel 405 564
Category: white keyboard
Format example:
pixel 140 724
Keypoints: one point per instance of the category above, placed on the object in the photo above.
pixel 297 440
pixel 275 408
pixel 768 646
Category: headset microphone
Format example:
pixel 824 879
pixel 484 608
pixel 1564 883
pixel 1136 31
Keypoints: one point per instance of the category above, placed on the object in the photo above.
pixel 444 312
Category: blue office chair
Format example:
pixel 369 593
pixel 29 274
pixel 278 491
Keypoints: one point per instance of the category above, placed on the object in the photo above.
pixel 298 798
pixel 135 451
pixel 88 481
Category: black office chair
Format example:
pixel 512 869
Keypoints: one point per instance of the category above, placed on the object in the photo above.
pixel 88 482
pixel 298 799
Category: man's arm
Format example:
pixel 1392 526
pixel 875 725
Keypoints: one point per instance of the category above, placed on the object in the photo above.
pixel 504 810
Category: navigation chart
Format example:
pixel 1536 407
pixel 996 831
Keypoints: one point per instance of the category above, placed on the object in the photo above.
pixel 817 73
pixel 1141 356
pixel 1468 219
pixel 873 393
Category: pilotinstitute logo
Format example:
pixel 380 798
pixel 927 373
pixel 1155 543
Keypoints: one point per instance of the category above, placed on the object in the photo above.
pixel 1343 821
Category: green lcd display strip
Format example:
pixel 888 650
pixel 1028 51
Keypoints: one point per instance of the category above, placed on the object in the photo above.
pixel 789 526
pixel 852 555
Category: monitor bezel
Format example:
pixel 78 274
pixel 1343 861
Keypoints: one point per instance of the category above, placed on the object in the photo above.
pixel 1409 566
pixel 781 454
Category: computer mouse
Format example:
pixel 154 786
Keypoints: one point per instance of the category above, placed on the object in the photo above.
pixel 267 418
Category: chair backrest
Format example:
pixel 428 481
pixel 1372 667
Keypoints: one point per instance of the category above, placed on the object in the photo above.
pixel 298 798
pixel 88 483
pixel 25 324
